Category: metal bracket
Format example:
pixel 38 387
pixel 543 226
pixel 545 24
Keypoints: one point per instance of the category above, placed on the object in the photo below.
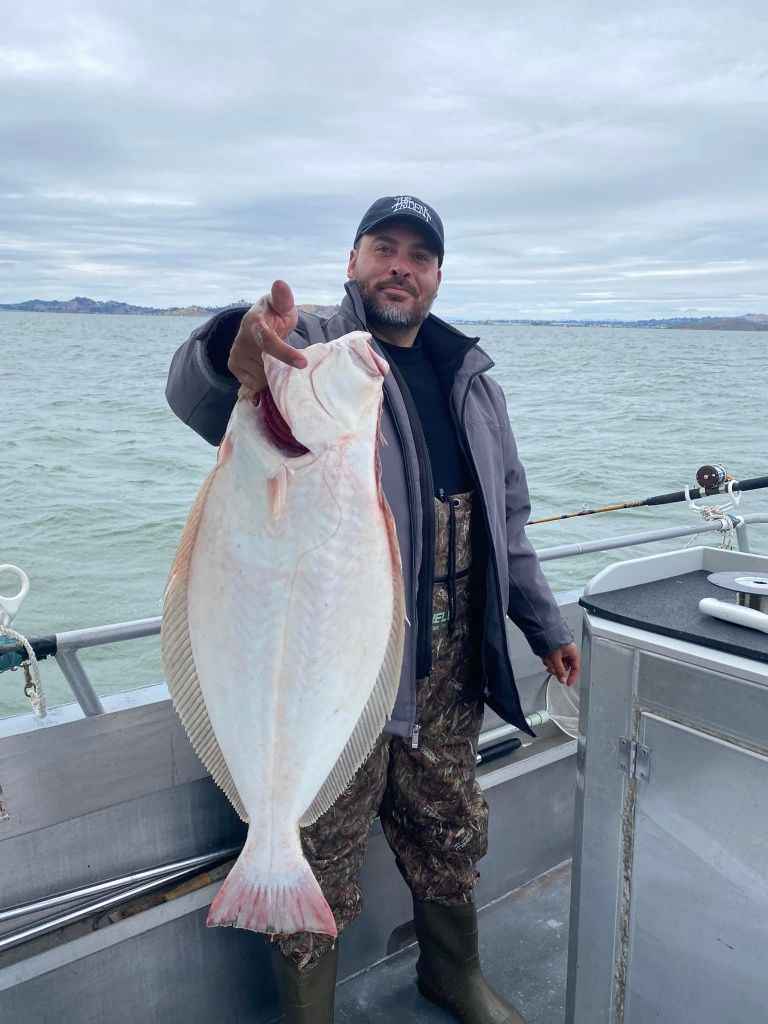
pixel 634 759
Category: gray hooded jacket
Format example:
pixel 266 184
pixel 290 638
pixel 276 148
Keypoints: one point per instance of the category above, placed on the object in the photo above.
pixel 202 392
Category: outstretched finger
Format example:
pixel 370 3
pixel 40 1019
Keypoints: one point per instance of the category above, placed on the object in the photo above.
pixel 272 343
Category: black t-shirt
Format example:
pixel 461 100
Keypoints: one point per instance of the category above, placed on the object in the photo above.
pixel 450 472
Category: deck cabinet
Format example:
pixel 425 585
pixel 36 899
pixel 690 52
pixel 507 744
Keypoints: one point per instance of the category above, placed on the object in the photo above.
pixel 669 908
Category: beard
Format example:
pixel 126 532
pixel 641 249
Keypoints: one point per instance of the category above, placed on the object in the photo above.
pixel 381 313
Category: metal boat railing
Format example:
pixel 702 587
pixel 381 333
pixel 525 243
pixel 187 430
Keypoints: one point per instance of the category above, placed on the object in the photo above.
pixel 65 646
pixel 101 897
pixel 70 642
pixel 630 540
pixel 22 923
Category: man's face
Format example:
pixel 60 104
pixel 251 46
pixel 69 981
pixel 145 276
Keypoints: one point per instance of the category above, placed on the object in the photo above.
pixel 396 271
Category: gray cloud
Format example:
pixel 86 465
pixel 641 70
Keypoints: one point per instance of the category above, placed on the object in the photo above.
pixel 607 160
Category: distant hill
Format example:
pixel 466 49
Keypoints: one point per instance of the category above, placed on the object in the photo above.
pixel 80 304
pixel 311 307
pixel 748 322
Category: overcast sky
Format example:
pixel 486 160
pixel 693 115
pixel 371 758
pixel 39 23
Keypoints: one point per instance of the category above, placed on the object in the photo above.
pixel 588 159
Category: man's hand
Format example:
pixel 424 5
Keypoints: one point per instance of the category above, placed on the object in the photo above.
pixel 565 663
pixel 264 328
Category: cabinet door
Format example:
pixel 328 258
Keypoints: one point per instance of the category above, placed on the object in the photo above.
pixel 698 926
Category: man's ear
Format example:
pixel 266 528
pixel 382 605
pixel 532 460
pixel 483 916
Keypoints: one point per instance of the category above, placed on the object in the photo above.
pixel 352 263
pixel 439 276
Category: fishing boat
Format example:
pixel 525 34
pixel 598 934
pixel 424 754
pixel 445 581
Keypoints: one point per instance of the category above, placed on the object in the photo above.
pixel 114 839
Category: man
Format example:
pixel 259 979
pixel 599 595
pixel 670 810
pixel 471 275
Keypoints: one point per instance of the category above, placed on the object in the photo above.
pixel 456 487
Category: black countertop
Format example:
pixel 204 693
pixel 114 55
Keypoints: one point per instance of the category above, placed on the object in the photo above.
pixel 671 607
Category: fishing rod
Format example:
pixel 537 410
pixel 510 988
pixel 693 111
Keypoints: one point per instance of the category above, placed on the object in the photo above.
pixel 711 480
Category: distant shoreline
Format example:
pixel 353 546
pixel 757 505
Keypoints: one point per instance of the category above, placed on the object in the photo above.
pixel 82 305
pixel 745 323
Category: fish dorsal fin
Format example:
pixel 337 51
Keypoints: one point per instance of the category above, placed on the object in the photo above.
pixel 379 706
pixel 179 663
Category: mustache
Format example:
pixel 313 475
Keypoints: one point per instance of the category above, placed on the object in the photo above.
pixel 396 282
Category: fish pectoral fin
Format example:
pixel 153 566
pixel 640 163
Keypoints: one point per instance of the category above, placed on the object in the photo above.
pixel 225 450
pixel 277 490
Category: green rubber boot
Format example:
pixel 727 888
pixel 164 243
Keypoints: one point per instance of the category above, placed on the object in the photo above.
pixel 306 997
pixel 448 967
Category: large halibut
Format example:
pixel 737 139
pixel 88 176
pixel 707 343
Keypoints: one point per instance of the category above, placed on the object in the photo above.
pixel 283 622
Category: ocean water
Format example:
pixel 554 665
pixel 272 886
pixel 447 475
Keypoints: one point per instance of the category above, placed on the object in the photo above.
pixel 98 475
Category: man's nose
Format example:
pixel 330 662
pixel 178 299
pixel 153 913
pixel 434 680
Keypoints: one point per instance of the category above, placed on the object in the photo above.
pixel 398 269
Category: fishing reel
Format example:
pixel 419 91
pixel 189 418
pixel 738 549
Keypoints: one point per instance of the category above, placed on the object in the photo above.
pixel 710 478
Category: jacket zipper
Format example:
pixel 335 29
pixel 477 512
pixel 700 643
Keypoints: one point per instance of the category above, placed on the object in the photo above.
pixel 423 607
pixel 409 481
pixel 427 569
pixel 410 484
pixel 464 441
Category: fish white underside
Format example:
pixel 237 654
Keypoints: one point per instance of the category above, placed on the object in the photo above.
pixel 290 621
pixel 282 641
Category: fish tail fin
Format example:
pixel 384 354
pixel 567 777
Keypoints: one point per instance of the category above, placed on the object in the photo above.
pixel 288 903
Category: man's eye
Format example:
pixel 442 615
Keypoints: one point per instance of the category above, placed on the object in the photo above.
pixel 422 257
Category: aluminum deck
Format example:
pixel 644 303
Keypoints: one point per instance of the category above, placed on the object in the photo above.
pixel 524 951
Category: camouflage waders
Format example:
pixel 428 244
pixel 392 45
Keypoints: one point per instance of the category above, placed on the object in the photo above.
pixel 432 810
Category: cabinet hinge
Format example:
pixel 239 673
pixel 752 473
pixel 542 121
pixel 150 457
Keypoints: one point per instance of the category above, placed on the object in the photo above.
pixel 634 759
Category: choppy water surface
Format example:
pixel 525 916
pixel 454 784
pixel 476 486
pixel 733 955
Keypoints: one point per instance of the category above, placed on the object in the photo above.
pixel 98 475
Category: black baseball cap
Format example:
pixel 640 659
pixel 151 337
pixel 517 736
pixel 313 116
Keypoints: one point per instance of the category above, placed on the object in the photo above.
pixel 406 208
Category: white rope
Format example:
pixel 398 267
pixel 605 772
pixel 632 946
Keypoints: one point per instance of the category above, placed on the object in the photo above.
pixel 719 514
pixel 34 687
